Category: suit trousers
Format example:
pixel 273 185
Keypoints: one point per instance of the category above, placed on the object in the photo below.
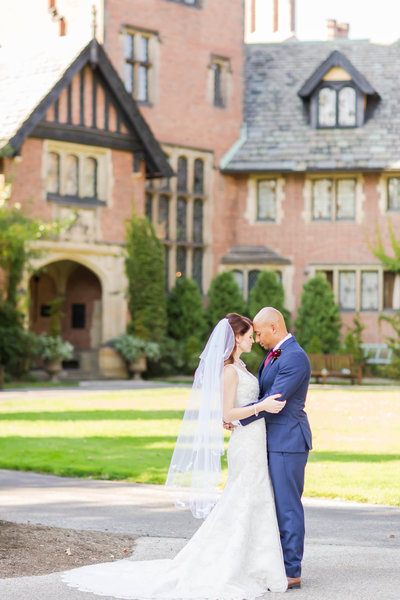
pixel 287 474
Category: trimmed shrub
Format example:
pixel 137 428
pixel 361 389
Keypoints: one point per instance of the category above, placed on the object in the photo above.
pixel 224 297
pixel 318 315
pixel 268 291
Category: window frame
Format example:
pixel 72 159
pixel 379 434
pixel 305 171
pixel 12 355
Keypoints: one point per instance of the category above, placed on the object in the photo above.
pixel 223 63
pixel 137 63
pixel 388 207
pixel 337 86
pixel 334 200
pixel 266 219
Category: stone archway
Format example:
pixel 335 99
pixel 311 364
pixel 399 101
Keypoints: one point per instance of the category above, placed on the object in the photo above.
pixel 81 321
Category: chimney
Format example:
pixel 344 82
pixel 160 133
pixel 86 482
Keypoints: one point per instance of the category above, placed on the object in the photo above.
pixel 269 20
pixel 336 30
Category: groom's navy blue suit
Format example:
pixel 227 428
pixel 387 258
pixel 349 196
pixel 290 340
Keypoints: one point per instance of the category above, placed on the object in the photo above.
pixel 289 440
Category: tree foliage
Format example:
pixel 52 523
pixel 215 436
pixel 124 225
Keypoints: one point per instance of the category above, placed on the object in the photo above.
pixel 268 291
pixel 353 340
pixel 318 315
pixel 17 232
pixel 144 265
pixel 17 346
pixel 393 341
pixel 224 297
pixel 392 263
pixel 185 311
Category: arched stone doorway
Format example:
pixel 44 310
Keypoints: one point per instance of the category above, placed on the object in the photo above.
pixel 81 319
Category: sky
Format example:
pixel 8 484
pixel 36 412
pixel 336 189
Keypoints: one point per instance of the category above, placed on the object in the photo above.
pixel 378 20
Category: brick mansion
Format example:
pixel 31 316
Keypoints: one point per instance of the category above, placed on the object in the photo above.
pixel 247 149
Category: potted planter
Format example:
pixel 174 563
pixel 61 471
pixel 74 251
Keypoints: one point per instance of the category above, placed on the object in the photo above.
pixel 136 351
pixel 53 350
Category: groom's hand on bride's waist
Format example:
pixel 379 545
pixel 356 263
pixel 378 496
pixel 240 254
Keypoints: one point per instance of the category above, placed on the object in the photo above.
pixel 229 426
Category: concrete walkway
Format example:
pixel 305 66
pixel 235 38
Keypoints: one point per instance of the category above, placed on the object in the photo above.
pixel 352 550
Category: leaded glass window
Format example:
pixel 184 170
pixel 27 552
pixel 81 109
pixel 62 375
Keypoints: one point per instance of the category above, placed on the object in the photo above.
pixel 148 208
pixel 163 214
pixel 198 184
pixel 182 174
pixel 218 99
pixel 90 178
pixel 322 199
pixel 181 254
pixel 346 199
pixel 137 65
pixel 181 215
pixel 239 278
pixel 198 220
pixel 197 267
pixel 327 107
pixel 369 290
pixel 347 290
pixel 347 107
pixel 53 173
pixel 394 193
pixel 71 175
pixel 266 200
pixel 252 278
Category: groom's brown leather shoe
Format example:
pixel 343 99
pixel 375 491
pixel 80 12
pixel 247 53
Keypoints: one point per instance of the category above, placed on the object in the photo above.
pixel 293 583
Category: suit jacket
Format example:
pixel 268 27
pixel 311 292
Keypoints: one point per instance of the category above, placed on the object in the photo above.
pixel 289 375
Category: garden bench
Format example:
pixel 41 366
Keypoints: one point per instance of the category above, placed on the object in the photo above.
pixel 334 365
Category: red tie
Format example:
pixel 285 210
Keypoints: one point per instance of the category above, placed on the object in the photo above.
pixel 266 361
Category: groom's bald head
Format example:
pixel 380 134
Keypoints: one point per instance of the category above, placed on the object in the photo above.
pixel 269 327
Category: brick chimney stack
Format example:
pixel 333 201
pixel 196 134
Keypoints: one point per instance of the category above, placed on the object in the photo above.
pixel 336 30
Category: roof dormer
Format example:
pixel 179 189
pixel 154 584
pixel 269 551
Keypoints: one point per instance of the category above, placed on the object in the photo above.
pixel 338 95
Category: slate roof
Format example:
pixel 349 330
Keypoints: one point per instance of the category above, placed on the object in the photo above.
pixel 259 255
pixel 277 135
pixel 31 82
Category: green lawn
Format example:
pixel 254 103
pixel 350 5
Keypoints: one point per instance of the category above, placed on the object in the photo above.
pixel 130 435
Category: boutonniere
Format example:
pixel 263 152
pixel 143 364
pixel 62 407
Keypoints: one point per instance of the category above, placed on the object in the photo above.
pixel 275 354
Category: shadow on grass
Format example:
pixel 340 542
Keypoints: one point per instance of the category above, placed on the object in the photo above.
pixel 349 457
pixel 93 415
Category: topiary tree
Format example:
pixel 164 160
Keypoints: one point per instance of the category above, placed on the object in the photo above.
pixel 144 266
pixel 223 297
pixel 319 316
pixel 268 291
pixel 185 310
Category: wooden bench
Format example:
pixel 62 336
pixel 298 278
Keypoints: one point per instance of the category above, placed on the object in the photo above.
pixel 334 365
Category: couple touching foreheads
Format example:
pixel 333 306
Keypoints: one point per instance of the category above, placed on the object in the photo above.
pixel 253 536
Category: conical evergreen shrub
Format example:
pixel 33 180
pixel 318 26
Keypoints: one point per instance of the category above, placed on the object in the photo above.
pixel 224 297
pixel 144 265
pixel 319 316
pixel 268 291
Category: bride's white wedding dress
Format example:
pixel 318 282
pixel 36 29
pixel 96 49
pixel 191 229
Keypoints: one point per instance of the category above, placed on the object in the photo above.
pixel 236 553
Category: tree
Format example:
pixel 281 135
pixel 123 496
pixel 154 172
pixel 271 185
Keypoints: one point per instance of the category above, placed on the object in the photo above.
pixel 352 343
pixel 17 232
pixel 319 316
pixel 18 347
pixel 391 263
pixel 223 297
pixel 393 342
pixel 144 265
pixel 268 291
pixel 185 310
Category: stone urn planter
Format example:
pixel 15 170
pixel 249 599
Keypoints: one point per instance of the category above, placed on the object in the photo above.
pixel 136 351
pixel 137 367
pixel 53 366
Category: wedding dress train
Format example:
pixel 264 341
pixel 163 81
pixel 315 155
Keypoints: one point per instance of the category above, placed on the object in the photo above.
pixel 236 553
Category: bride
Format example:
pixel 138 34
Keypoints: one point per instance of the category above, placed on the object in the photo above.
pixel 236 553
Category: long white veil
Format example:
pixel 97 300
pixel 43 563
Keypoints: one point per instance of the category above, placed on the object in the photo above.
pixel 195 469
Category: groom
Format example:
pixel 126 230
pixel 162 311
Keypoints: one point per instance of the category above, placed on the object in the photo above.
pixel 285 370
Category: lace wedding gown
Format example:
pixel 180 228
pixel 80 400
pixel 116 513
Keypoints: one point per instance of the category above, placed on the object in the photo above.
pixel 236 553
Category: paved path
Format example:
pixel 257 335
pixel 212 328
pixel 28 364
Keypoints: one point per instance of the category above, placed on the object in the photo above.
pixel 350 553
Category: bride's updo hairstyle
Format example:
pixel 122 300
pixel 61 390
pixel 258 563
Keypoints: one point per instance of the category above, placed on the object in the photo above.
pixel 240 326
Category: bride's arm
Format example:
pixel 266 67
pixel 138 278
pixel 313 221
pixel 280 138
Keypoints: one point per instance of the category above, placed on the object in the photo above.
pixel 231 380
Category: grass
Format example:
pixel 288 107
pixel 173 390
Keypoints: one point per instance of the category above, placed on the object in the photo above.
pixel 130 435
pixel 39 384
